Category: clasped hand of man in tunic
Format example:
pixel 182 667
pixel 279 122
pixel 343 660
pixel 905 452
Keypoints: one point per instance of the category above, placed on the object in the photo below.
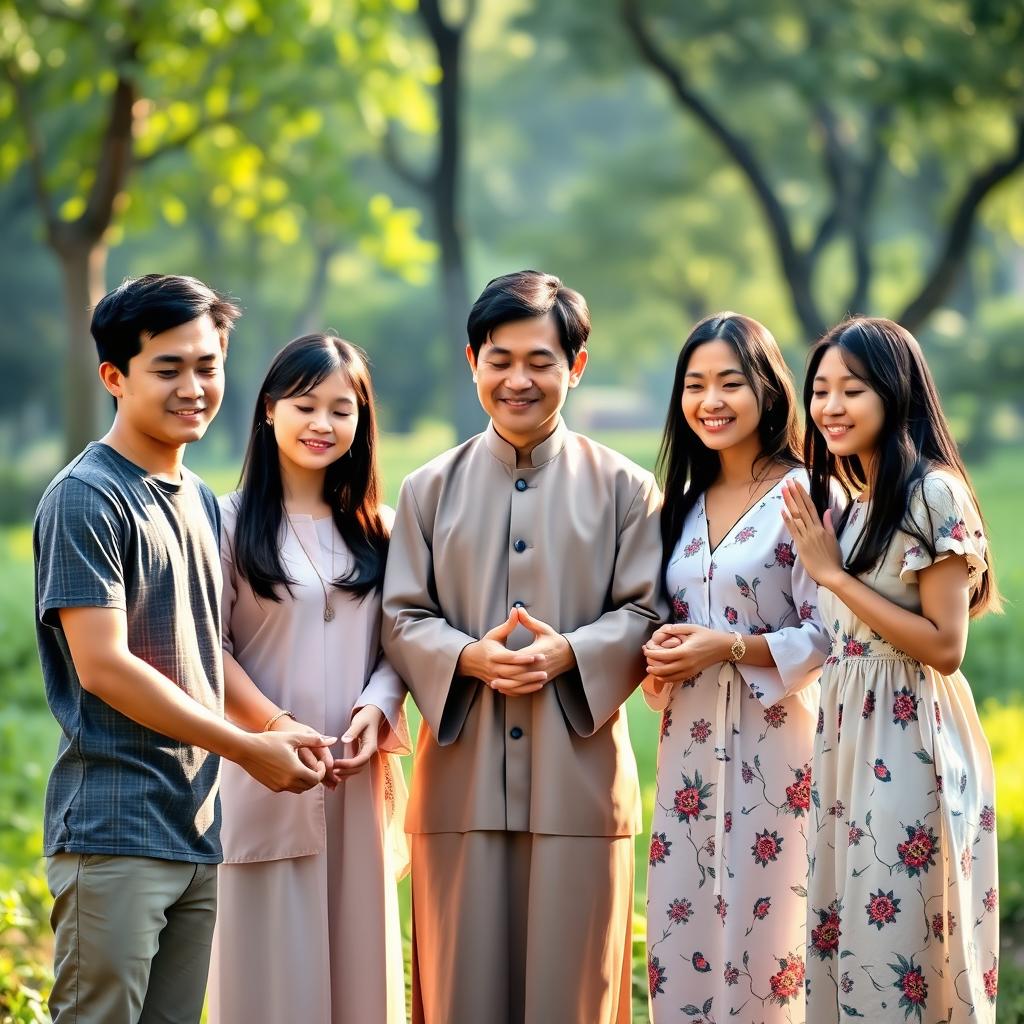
pixel 681 650
pixel 517 673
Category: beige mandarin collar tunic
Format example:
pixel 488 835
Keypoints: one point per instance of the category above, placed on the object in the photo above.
pixel 575 538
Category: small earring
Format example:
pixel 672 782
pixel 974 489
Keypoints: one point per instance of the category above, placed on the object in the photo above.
pixel 270 422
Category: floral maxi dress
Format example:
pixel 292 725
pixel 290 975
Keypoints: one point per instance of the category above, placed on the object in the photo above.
pixel 902 920
pixel 726 897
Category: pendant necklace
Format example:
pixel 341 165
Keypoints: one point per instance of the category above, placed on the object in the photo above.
pixel 328 607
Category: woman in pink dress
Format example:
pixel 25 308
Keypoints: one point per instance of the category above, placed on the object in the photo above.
pixel 308 926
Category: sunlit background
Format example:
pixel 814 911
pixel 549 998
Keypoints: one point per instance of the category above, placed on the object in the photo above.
pixel 367 165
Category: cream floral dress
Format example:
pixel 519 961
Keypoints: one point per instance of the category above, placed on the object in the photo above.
pixel 902 915
pixel 726 897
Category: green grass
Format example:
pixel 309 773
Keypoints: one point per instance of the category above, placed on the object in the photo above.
pixel 28 733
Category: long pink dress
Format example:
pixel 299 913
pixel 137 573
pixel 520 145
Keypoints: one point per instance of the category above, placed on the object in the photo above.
pixel 308 923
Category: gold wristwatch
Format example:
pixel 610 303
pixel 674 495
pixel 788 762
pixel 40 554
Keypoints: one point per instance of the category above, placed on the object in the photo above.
pixel 738 649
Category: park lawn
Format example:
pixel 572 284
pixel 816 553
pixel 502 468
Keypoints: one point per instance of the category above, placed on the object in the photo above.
pixel 28 734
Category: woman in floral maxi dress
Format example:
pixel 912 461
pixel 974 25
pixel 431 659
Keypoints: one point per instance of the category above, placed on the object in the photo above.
pixel 728 856
pixel 902 919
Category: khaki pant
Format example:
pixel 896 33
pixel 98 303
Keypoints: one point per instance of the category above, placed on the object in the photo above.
pixel 132 938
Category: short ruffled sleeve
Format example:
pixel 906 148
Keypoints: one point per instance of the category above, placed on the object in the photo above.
pixel 942 508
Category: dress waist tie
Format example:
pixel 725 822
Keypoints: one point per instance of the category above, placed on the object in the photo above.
pixel 726 715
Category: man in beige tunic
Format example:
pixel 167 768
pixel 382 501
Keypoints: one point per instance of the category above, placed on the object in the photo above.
pixel 522 581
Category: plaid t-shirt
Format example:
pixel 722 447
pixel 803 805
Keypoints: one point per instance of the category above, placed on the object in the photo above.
pixel 109 535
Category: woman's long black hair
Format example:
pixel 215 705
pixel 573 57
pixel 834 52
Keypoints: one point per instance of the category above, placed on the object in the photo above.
pixel 686 467
pixel 914 439
pixel 351 483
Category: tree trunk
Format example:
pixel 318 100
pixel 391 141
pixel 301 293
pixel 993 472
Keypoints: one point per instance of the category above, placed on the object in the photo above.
pixel 83 267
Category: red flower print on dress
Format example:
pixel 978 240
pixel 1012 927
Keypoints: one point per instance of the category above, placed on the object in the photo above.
pixel 917 854
pixel 743 587
pixel 807 611
pixel 661 847
pixel 680 607
pixel 943 925
pixel 711 571
pixel 731 615
pixel 746 773
pixel 695 544
pixel 700 963
pixel 691 799
pixel 966 862
pixel 775 716
pixel 856 835
pixel 938 716
pixel 911 982
pixel 728 822
pixel 762 907
pixel 680 911
pixel 700 730
pixel 882 908
pixel 789 981
pixel 869 704
pixel 991 979
pixel 731 974
pixel 988 818
pixel 882 773
pixel 825 938
pixel 990 900
pixel 798 795
pixel 747 533
pixel 821 720
pixel 846 982
pixel 666 722
pixel 904 707
pixel 655 976
pixel 954 527
pixel 854 648
pixel 721 908
pixel 767 847
pixel 709 846
pixel 784 556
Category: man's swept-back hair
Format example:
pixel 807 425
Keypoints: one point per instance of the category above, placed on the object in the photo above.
pixel 524 295
pixel 141 307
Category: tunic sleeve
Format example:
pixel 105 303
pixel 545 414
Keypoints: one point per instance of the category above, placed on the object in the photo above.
pixel 798 650
pixel 941 510
pixel 385 690
pixel 421 646
pixel 608 652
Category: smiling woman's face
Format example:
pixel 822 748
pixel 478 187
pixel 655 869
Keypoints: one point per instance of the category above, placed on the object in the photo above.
pixel 719 402
pixel 847 412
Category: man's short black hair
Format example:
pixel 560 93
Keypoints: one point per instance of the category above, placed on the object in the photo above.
pixel 144 306
pixel 524 295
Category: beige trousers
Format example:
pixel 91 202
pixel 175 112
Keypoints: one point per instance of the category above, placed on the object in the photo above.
pixel 521 928
pixel 131 938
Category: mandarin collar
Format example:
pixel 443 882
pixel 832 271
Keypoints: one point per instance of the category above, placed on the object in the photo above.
pixel 544 452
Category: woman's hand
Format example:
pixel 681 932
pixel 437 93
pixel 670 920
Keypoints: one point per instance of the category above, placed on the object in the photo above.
pixel 679 651
pixel 815 539
pixel 364 734
pixel 318 759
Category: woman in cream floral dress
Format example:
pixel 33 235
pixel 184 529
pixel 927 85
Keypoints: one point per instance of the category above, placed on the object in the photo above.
pixel 902 902
pixel 736 674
